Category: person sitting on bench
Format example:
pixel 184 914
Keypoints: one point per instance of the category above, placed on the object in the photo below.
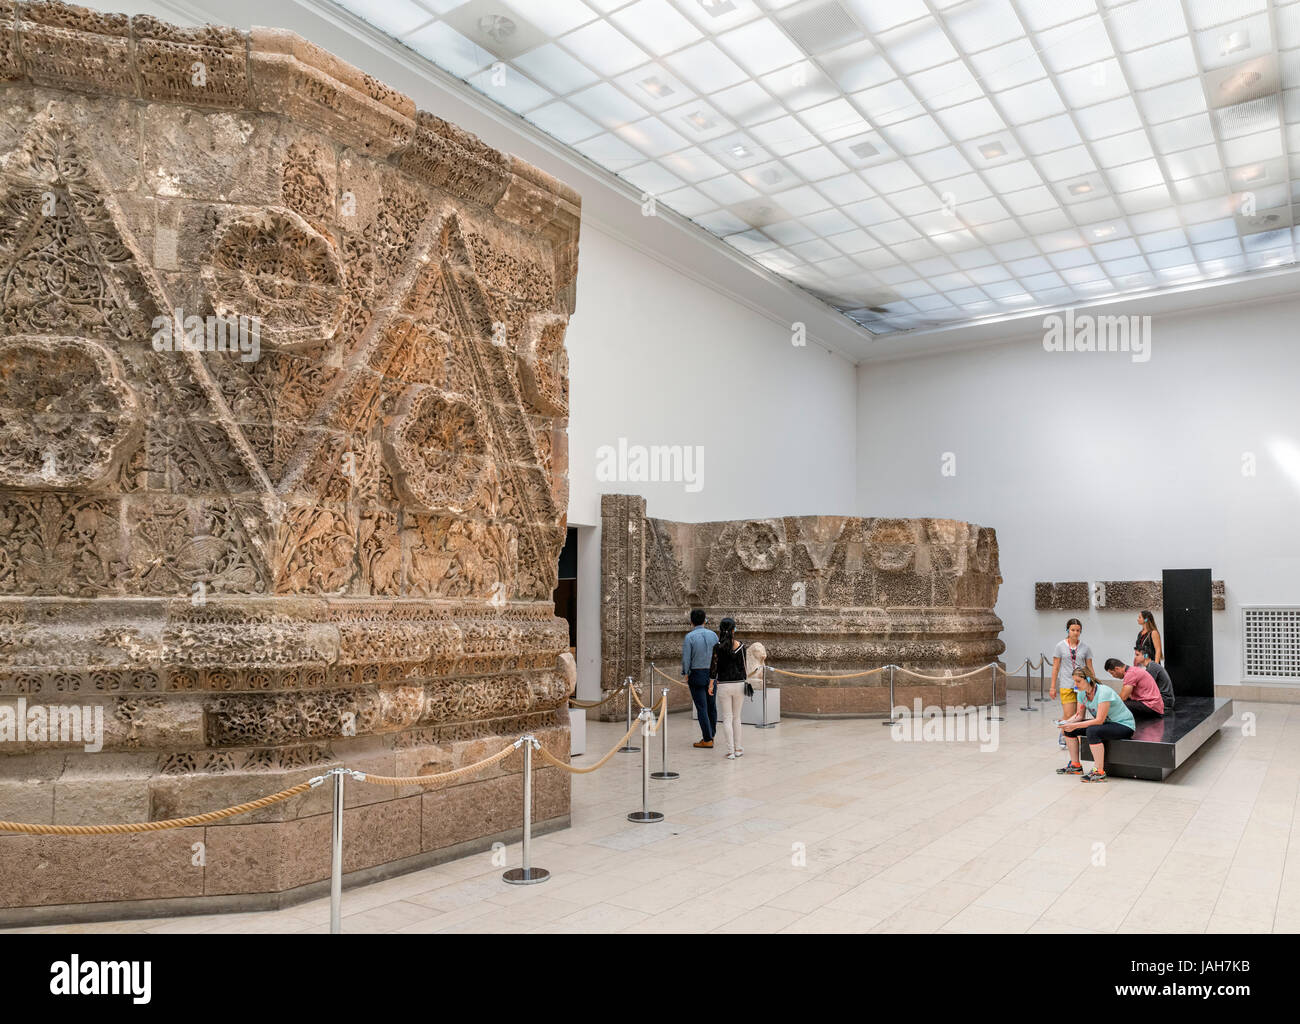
pixel 1101 716
pixel 1160 674
pixel 1139 691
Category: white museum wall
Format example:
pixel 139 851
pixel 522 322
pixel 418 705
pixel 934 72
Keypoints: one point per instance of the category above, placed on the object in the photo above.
pixel 658 358
pixel 1094 467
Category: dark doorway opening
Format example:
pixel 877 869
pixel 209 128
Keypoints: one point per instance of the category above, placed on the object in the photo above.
pixel 566 590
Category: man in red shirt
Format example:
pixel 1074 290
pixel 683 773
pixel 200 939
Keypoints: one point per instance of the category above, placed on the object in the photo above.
pixel 1139 691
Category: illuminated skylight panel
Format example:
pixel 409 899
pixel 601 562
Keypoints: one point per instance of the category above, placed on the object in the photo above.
pixel 864 149
pixel 657 25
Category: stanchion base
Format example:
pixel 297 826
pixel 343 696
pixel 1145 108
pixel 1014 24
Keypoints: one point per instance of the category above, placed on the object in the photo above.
pixel 769 725
pixel 629 750
pixel 664 775
pixel 1042 699
pixel 889 721
pixel 646 817
pixel 525 876
pixel 1028 707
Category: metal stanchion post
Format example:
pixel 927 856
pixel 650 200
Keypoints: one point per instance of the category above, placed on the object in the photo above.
pixel 663 752
pixel 765 724
pixel 993 698
pixel 1042 665
pixel 645 815
pixel 336 856
pixel 527 875
pixel 1028 695
pixel 627 747
pixel 890 720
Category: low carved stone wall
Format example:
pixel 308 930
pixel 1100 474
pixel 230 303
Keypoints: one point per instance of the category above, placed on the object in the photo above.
pixel 1114 595
pixel 826 595
pixel 283 455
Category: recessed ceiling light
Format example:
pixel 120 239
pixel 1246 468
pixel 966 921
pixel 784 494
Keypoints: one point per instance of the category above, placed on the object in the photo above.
pixel 1253 173
pixel 1105 232
pixel 655 87
pixel 717 8
pixel 700 122
pixel 1241 80
pixel 1080 188
pixel 993 150
pixel 497 26
pixel 739 152
pixel 1238 39
pixel 864 149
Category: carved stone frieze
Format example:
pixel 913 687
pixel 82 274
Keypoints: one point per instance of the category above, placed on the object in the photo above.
pixel 827 595
pixel 337 531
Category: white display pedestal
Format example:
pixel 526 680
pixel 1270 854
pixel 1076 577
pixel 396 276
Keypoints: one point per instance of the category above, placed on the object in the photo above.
pixel 751 712
pixel 577 731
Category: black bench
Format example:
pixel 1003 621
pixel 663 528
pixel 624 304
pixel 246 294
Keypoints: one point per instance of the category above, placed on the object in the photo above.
pixel 1159 745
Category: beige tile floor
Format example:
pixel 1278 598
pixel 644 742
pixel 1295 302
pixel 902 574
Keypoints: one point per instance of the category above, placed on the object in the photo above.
pixel 834 826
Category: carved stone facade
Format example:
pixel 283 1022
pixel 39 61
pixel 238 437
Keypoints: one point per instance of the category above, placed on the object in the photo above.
pixel 1117 595
pixel 283 470
pixel 827 595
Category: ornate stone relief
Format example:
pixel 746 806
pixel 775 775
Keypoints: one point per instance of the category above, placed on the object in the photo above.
pixel 352 534
pixel 825 594
pixel 67 416
pixel 274 266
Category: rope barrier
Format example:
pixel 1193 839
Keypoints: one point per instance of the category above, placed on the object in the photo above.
pixel 551 759
pixel 588 704
pixel 811 675
pixel 158 826
pixel 963 675
pixel 675 682
pixel 30 828
pixel 428 780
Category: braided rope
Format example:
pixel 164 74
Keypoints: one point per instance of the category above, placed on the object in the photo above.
pixel 585 704
pixel 154 826
pixel 429 780
pixel 813 675
pixel 551 759
pixel 963 675
pixel 675 682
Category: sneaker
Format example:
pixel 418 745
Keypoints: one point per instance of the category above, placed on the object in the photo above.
pixel 1070 769
pixel 732 756
pixel 1094 776
pixel 740 751
pixel 704 743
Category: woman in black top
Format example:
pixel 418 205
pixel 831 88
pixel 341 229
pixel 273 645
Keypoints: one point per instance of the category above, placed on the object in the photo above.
pixel 727 672
pixel 1148 638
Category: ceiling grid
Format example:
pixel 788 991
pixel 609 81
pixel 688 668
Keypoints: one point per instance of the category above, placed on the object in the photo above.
pixel 918 164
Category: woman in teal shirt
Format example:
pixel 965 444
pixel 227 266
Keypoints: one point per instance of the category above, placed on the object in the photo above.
pixel 1101 716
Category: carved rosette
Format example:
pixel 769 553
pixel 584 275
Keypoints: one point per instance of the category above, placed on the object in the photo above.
pixel 67 415
pixel 758 545
pixel 438 450
pixel 273 266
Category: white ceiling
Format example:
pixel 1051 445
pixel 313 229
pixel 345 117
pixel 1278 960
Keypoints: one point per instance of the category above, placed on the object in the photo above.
pixel 919 164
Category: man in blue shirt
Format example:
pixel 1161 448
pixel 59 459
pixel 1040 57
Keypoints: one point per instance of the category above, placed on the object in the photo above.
pixel 697 656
